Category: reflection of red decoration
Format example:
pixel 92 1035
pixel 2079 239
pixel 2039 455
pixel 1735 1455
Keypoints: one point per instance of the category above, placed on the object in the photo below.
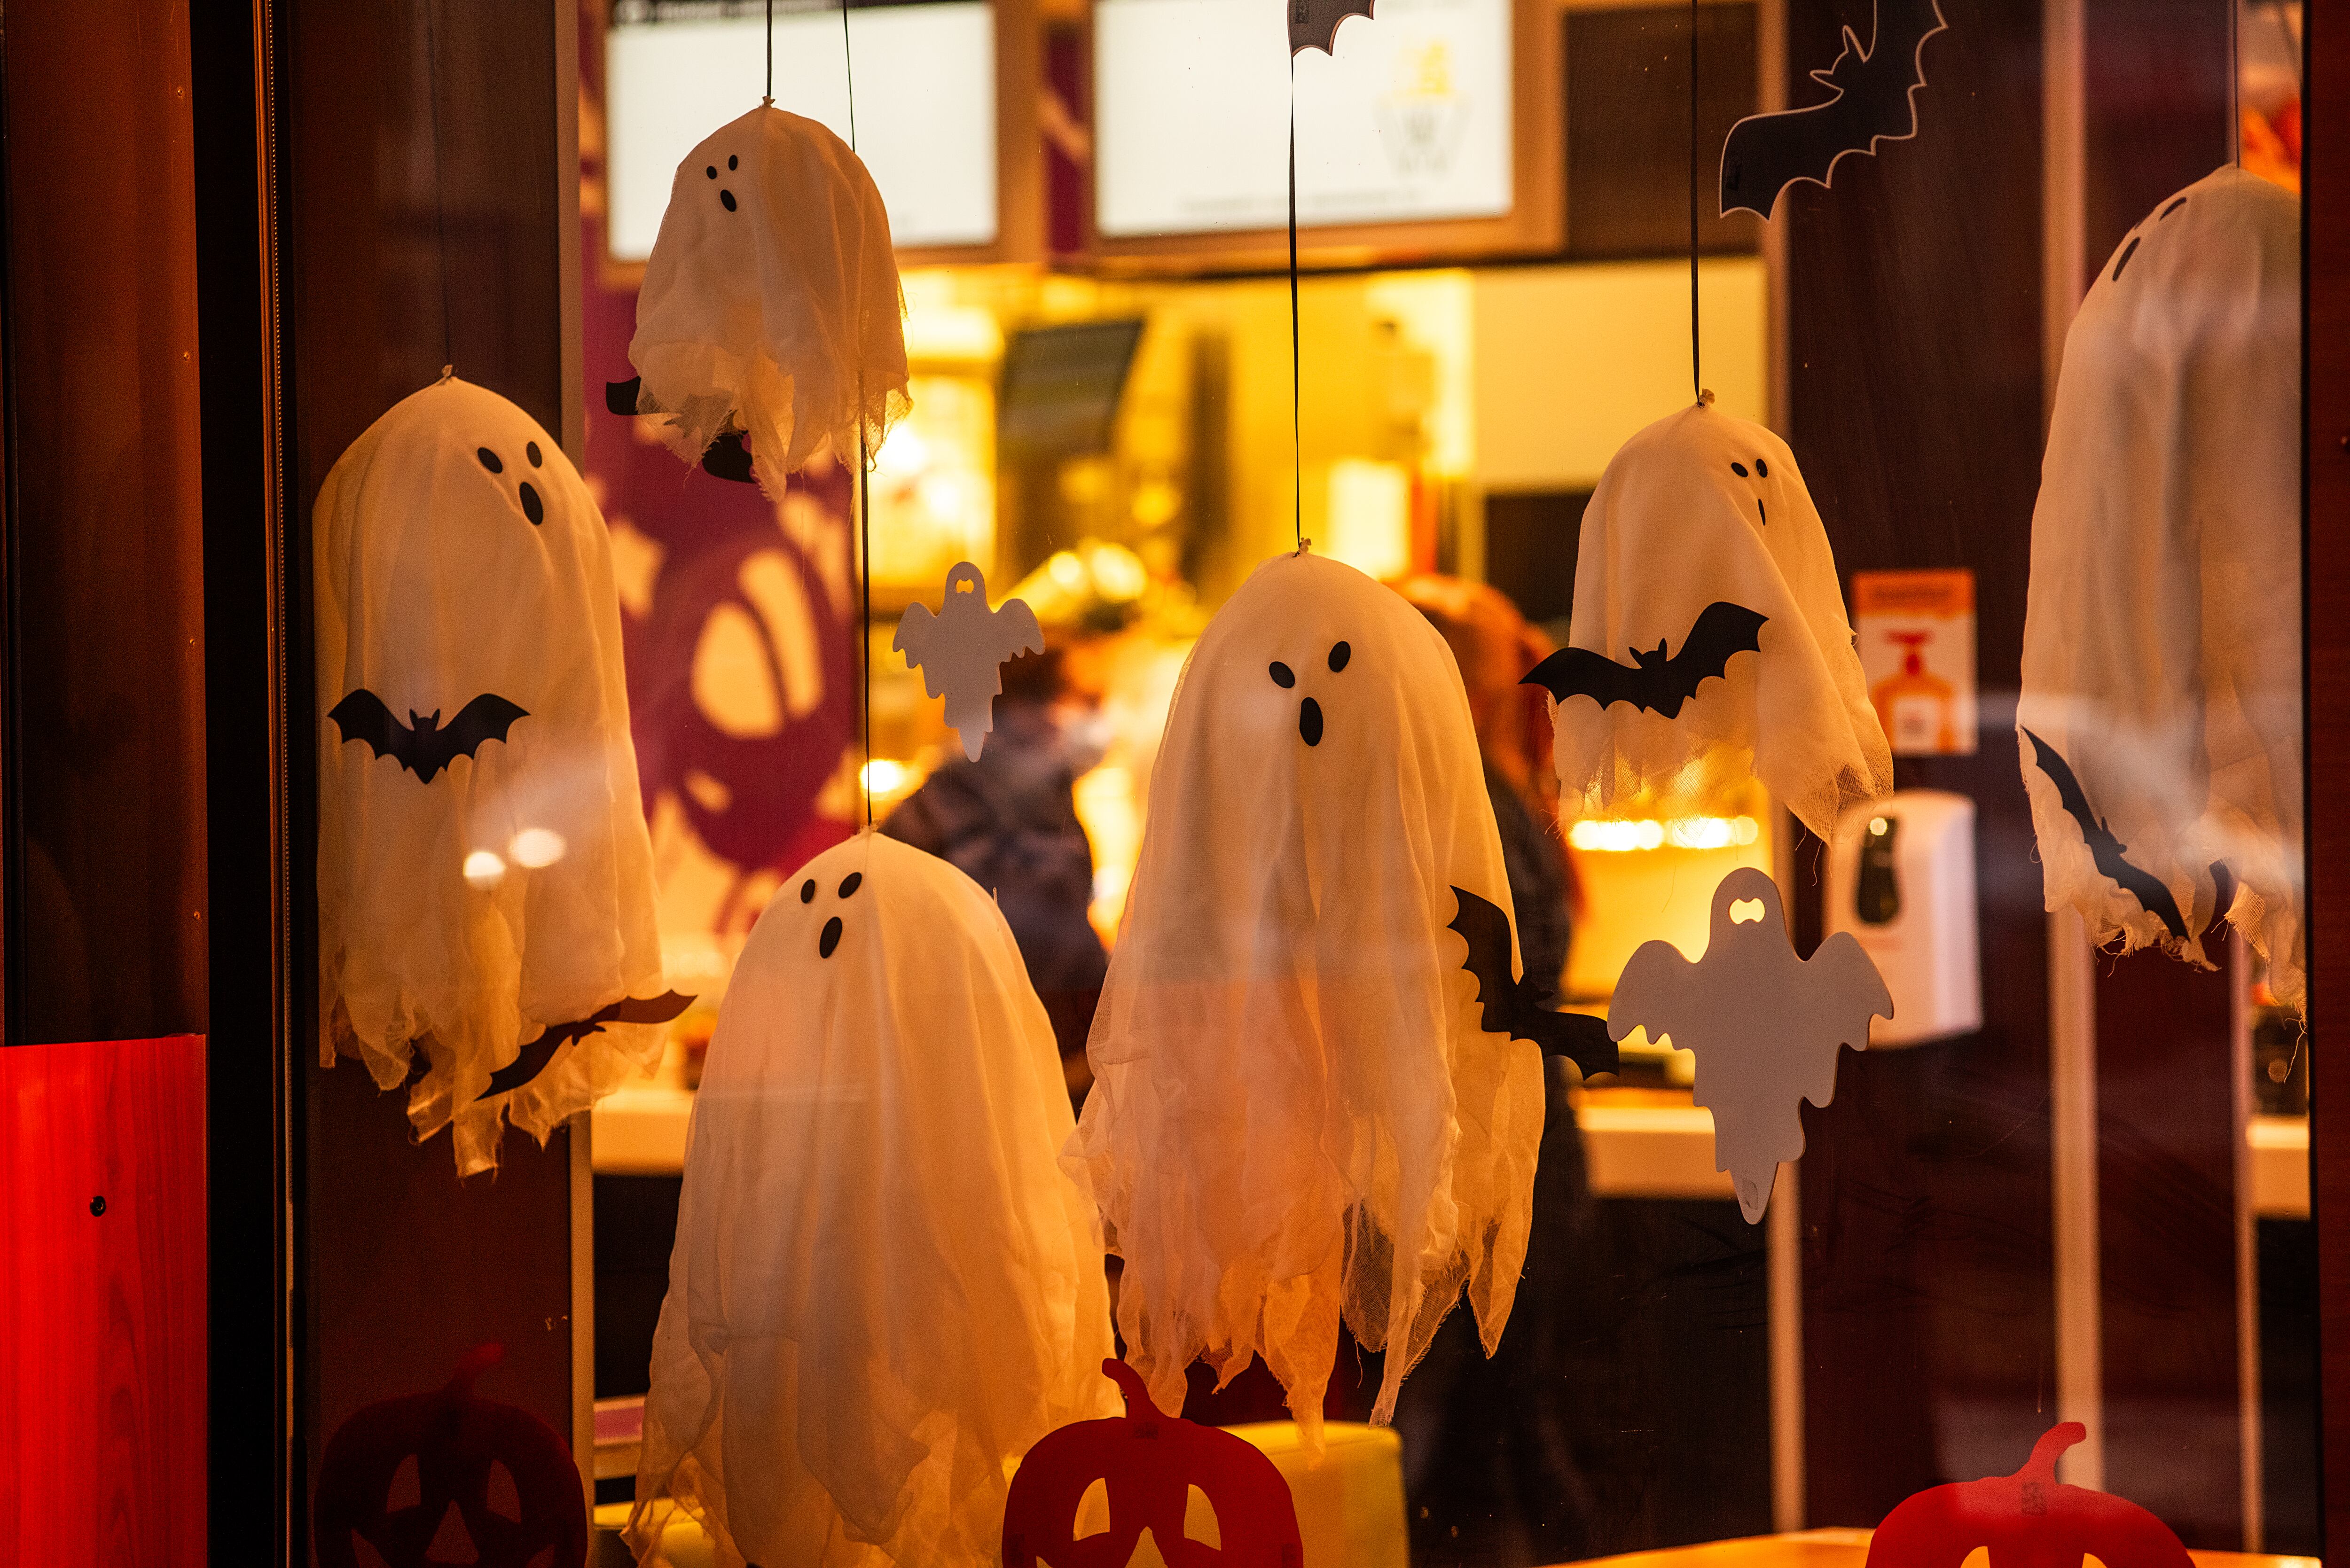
pixel 457 1442
pixel 2025 1521
pixel 1148 1464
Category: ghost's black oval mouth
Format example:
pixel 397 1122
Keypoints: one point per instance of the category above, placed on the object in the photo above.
pixel 1309 722
pixel 531 507
pixel 828 938
pixel 1759 512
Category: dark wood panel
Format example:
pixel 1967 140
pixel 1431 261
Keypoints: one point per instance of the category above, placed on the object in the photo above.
pixel 403 1267
pixel 1913 295
pixel 2326 184
pixel 1628 129
pixel 105 750
pixel 102 1376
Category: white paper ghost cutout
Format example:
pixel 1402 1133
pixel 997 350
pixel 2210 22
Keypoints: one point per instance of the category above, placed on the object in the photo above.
pixel 771 304
pixel 488 877
pixel 2162 644
pixel 1295 1115
pixel 884 1287
pixel 1764 1025
pixel 960 651
pixel 1703 509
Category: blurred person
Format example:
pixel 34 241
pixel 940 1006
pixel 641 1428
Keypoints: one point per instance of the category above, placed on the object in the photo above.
pixel 1009 822
pixel 1499 1454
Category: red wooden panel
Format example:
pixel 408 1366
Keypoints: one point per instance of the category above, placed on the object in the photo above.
pixel 102 1304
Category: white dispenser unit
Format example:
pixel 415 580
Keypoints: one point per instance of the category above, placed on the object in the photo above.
pixel 1901 879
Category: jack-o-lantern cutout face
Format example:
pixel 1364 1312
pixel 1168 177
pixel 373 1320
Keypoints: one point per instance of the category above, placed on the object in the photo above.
pixel 447 1479
pixel 2027 1520
pixel 1206 1498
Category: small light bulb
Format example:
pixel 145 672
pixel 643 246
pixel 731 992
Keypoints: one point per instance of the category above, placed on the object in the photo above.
pixel 536 847
pixel 483 869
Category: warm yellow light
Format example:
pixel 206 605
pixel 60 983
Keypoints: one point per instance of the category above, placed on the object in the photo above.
pixel 1617 836
pixel 536 846
pixel 1876 827
pixel 882 776
pixel 483 869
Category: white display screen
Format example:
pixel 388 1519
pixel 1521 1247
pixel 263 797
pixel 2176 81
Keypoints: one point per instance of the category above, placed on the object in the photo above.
pixel 1408 121
pixel 925 107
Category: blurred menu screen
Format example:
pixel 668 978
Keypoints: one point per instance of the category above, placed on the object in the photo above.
pixel 1408 121
pixel 925 78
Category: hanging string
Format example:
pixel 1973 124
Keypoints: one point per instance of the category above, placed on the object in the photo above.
pixel 864 486
pixel 769 98
pixel 1296 399
pixel 440 220
pixel 2235 86
pixel 1697 376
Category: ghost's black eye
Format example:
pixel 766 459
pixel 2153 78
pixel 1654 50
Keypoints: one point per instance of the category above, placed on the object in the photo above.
pixel 1339 654
pixel 2172 208
pixel 2127 251
pixel 1739 469
pixel 807 891
pixel 1281 675
pixel 1762 468
pixel 489 460
pixel 532 452
pixel 828 938
pixel 850 883
pixel 712 171
pixel 531 507
pixel 726 199
pixel 731 162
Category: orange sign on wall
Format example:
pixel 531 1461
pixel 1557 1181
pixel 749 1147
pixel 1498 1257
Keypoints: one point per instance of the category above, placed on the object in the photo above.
pixel 1917 637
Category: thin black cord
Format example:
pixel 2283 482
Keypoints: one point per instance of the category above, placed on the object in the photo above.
pixel 1296 399
pixel 440 220
pixel 771 50
pixel 864 486
pixel 2235 86
pixel 1697 376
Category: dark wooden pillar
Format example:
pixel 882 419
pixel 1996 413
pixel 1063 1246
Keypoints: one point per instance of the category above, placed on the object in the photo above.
pixel 1914 398
pixel 385 219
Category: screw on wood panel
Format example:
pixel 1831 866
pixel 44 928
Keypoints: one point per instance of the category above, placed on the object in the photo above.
pixel 98 1205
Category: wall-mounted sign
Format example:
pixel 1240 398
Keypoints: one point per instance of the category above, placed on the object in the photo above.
pixel 926 105
pixel 1408 119
pixel 1916 634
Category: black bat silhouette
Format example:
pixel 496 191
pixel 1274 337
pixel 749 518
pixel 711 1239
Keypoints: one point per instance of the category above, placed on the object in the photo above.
pixel 2104 847
pixel 1765 153
pixel 421 745
pixel 1653 680
pixel 1314 24
pixel 533 1058
pixel 727 457
pixel 1511 1005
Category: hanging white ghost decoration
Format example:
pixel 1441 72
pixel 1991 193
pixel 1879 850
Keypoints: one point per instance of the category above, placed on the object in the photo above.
pixel 485 880
pixel 1297 1116
pixel 1763 1024
pixel 2159 723
pixel 771 308
pixel 960 651
pixel 1709 640
pixel 884 1288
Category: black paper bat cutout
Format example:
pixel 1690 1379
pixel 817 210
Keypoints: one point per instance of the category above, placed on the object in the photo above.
pixel 1652 680
pixel 421 745
pixel 533 1058
pixel 727 458
pixel 1765 153
pixel 1314 24
pixel 1509 1003
pixel 2104 847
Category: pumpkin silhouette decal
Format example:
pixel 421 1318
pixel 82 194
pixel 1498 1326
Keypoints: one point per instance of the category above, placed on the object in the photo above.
pixel 449 1478
pixel 2024 1520
pixel 1149 1466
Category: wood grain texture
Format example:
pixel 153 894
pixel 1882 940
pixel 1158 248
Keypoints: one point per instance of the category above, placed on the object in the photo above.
pixel 102 1315
pixel 2326 472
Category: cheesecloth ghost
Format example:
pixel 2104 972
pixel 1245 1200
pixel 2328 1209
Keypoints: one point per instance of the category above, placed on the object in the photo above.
pixel 484 874
pixel 771 304
pixel 1295 1118
pixel 1701 508
pixel 884 1287
pixel 2162 644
